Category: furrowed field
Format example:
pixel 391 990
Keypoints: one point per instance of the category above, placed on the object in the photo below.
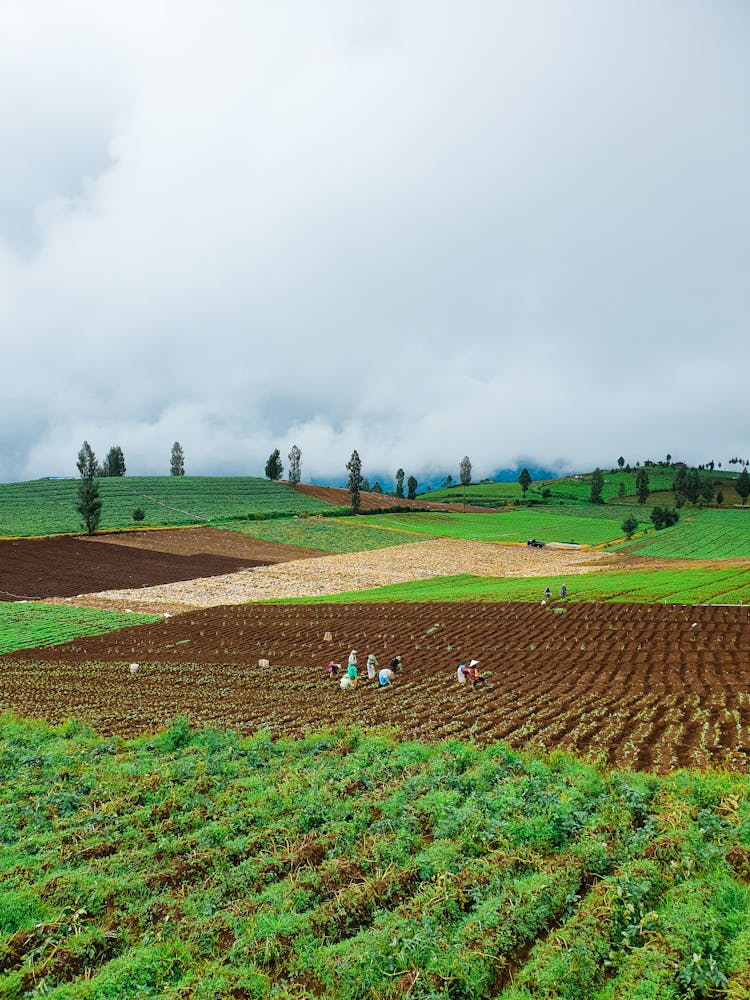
pixel 348 866
pixel 224 821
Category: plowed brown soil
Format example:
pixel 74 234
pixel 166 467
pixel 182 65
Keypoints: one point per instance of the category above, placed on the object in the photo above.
pixel 377 501
pixel 654 687
pixel 36 568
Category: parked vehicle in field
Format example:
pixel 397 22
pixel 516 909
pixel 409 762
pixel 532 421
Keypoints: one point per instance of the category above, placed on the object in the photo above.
pixel 535 544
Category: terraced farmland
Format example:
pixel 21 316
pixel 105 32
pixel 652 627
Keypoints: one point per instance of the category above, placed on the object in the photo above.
pixel 47 507
pixel 653 687
pixel 700 534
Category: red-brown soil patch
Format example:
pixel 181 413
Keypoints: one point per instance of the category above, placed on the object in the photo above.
pixel 378 501
pixel 36 568
pixel 642 686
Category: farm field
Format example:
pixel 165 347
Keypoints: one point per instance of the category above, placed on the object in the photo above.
pixel 712 584
pixel 326 534
pixel 36 625
pixel 38 568
pixel 346 866
pixel 47 507
pixel 643 686
pixel 595 526
pixel 699 534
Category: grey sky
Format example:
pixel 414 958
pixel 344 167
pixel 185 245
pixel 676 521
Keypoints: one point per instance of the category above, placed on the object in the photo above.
pixel 514 230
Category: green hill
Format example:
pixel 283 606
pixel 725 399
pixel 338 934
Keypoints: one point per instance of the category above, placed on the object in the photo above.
pixel 47 507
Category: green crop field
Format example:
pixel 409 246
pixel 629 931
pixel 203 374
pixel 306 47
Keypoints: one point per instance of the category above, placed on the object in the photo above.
pixel 477 494
pixel 327 534
pixel 685 586
pixel 699 534
pixel 47 507
pixel 26 625
pixel 347 866
pixel 593 527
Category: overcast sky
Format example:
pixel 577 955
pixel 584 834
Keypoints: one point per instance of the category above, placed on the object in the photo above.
pixel 422 229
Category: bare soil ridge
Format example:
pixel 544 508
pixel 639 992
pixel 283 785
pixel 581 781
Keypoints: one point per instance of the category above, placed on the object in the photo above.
pixel 39 568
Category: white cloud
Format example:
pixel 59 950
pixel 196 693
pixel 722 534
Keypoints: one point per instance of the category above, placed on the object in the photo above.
pixel 506 230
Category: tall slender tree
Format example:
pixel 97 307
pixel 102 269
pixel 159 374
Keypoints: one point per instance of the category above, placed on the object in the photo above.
pixel 412 488
pixel 274 468
pixel 295 474
pixel 742 485
pixel 354 466
pixel 641 486
pixel 400 483
pixel 524 481
pixel 464 471
pixel 177 460
pixel 597 485
pixel 114 463
pixel 88 503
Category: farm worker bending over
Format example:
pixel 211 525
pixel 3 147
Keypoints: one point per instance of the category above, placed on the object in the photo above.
pixel 351 668
pixel 396 664
pixel 385 676
pixel 372 666
pixel 476 678
pixel 333 668
pixel 347 682
pixel 462 673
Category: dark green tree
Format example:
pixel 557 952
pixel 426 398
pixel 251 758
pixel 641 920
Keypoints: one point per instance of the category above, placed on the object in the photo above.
pixel 274 468
pixel 88 504
pixel 597 485
pixel 138 513
pixel 412 488
pixel 693 485
pixel 447 482
pixel 377 488
pixel 707 489
pixel 742 485
pixel 365 485
pixel 621 461
pixel 664 517
pixel 641 486
pixel 630 526
pixel 524 481
pixel 295 473
pixel 621 489
pixel 354 484
pixel 400 483
pixel 114 463
pixel 464 471
pixel 177 460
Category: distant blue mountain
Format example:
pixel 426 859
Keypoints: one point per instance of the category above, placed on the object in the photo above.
pixel 434 481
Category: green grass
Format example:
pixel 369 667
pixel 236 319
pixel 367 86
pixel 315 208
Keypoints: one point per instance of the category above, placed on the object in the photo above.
pixel 26 625
pixel 47 507
pixel 691 586
pixel 700 534
pixel 587 526
pixel 348 866
pixel 327 534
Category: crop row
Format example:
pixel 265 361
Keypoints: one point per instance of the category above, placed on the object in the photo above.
pixel 346 866
pixel 652 686
pixel 28 625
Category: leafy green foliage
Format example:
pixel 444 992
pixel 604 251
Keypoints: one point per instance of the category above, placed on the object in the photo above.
pixel 684 586
pixel 346 865
pixel 664 517
pixel 114 463
pixel 742 485
pixel 327 534
pixel 45 507
pixel 88 503
pixel 30 625
pixel 630 526
pixel 524 481
pixel 597 485
pixel 412 488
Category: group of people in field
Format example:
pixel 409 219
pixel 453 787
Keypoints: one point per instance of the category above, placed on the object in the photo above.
pixel 349 679
pixel 548 593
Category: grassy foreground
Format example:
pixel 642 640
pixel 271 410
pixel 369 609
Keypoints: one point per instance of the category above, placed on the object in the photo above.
pixel 684 586
pixel 26 625
pixel 345 865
